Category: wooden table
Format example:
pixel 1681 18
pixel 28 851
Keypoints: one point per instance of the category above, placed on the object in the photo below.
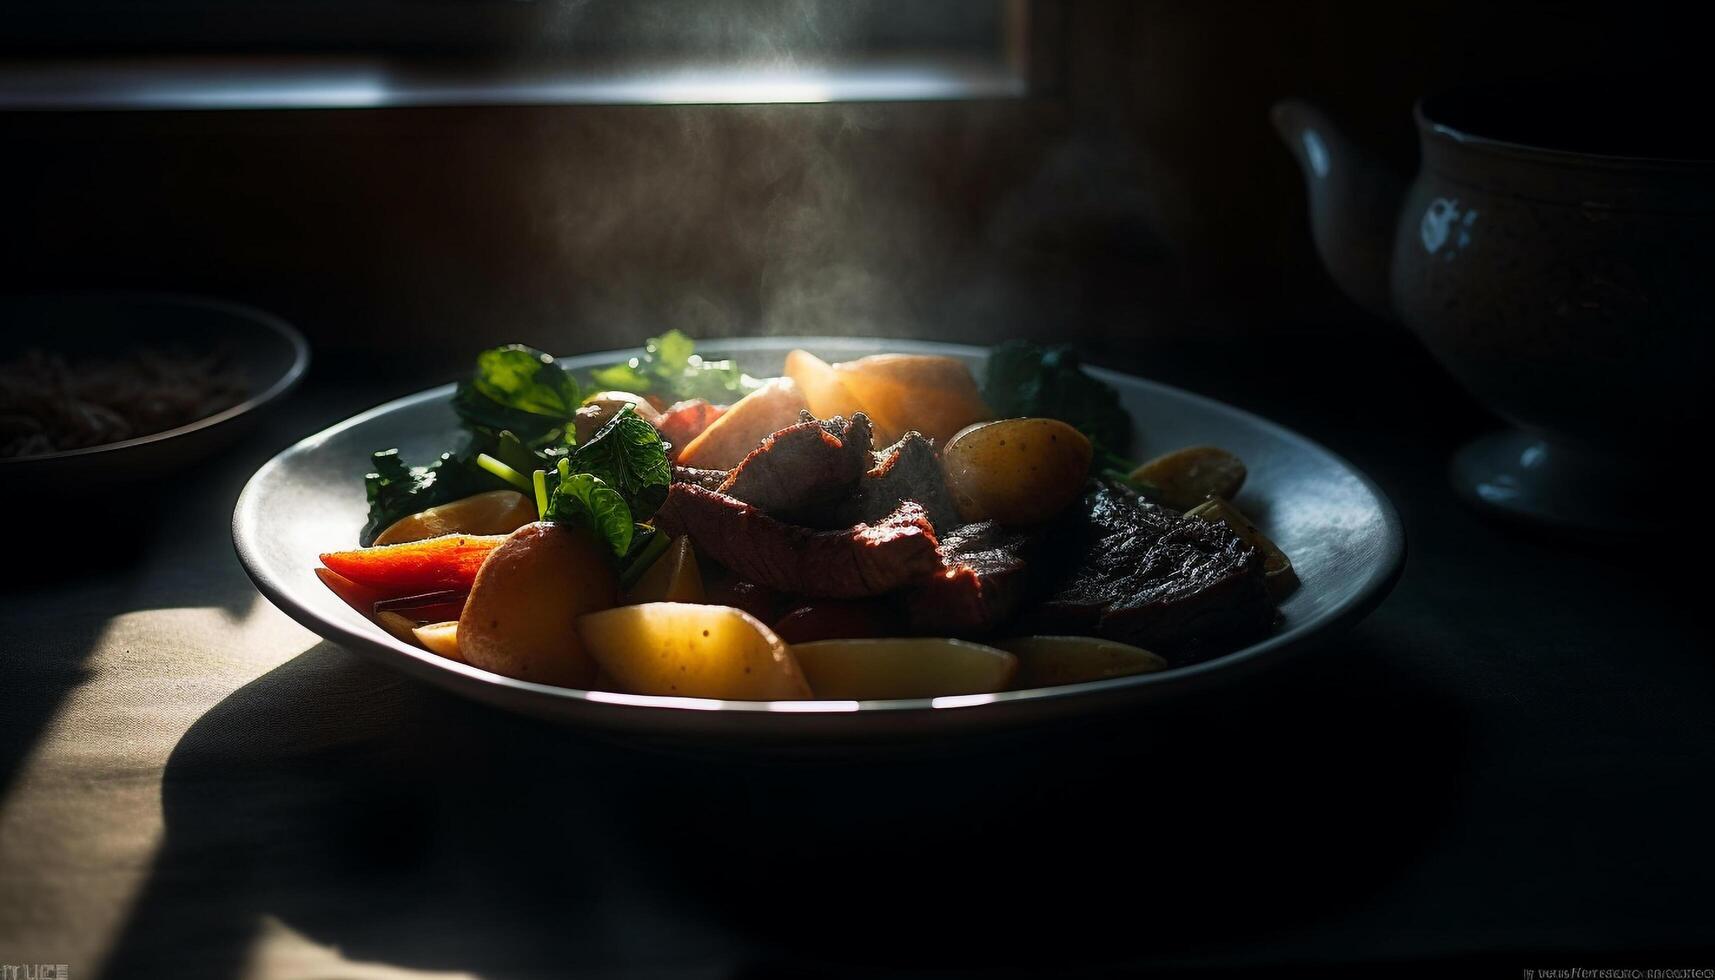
pixel 1508 764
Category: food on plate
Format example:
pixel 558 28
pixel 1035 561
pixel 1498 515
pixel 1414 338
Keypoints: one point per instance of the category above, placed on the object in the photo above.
pixel 439 638
pixel 740 428
pixel 489 512
pixel 1184 478
pixel 824 392
pixel 449 561
pixel 930 393
pixel 1276 567
pixel 673 577
pixel 1145 575
pixel 51 403
pixel 1049 661
pixel 906 534
pixel 1016 471
pixel 602 406
pixel 523 609
pixel 903 667
pixel 690 650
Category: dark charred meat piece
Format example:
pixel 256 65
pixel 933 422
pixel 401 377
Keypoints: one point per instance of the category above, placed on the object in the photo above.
pixel 707 479
pixel 1145 575
pixel 906 470
pixel 863 560
pixel 839 619
pixel 985 579
pixel 803 467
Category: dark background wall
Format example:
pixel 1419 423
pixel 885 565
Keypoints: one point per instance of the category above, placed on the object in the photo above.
pixel 1140 194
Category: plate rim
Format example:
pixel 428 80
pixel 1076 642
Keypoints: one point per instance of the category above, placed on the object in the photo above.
pixel 1374 587
pixel 289 379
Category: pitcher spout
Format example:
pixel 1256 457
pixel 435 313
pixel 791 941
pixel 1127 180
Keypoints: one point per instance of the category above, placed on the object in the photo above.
pixel 1354 203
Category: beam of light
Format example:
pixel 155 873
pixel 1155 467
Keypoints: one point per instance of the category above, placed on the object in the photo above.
pixel 357 83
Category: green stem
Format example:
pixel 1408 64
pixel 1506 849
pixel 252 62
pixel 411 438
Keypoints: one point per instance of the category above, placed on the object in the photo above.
pixel 503 471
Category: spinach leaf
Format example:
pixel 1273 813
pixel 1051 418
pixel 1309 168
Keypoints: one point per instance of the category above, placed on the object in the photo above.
pixel 628 455
pixel 584 499
pixel 1023 379
pixel 397 490
pixel 520 390
pixel 670 366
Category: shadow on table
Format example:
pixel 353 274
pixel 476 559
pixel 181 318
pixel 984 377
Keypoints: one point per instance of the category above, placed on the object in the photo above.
pixel 80 561
pixel 400 824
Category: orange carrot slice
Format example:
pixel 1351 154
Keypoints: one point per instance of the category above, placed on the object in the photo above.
pixel 415 567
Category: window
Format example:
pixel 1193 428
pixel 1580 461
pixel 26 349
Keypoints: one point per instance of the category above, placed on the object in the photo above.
pixel 175 54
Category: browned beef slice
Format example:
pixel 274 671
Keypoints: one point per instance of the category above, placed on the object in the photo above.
pixel 863 560
pixel 803 467
pixel 983 583
pixel 1146 575
pixel 707 479
pixel 906 470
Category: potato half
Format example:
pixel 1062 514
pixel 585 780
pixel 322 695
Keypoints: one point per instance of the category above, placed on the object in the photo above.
pixel 521 617
pixel 687 650
pixel 1187 477
pixel 1048 661
pixel 674 577
pixel 1016 471
pixel 911 667
pixel 494 512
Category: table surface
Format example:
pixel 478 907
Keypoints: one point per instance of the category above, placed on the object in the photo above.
pixel 1507 764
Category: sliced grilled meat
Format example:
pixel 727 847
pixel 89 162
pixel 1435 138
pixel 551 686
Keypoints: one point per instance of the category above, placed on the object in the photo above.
pixel 1148 576
pixel 707 479
pixel 985 580
pixel 906 470
pixel 805 467
pixel 862 560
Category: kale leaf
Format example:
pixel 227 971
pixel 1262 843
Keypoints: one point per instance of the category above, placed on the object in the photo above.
pixel 397 490
pixel 1024 379
pixel 670 366
pixel 628 455
pixel 520 390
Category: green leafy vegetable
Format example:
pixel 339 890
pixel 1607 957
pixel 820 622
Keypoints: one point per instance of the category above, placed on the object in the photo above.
pixel 397 490
pixel 520 390
pixel 584 499
pixel 647 544
pixel 1024 379
pixel 628 455
pixel 670 366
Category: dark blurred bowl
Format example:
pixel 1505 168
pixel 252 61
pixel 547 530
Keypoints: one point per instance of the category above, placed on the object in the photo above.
pixel 270 354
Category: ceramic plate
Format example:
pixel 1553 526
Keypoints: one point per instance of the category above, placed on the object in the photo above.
pixel 1344 538
pixel 267 352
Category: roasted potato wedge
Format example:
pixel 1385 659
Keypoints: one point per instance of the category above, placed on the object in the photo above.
pixel 1049 661
pixel 933 394
pixel 730 438
pixel 521 617
pixel 823 390
pixel 494 512
pixel 912 667
pixel 674 577
pixel 440 638
pixel 1016 471
pixel 687 650
pixel 1187 477
pixel 1276 566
